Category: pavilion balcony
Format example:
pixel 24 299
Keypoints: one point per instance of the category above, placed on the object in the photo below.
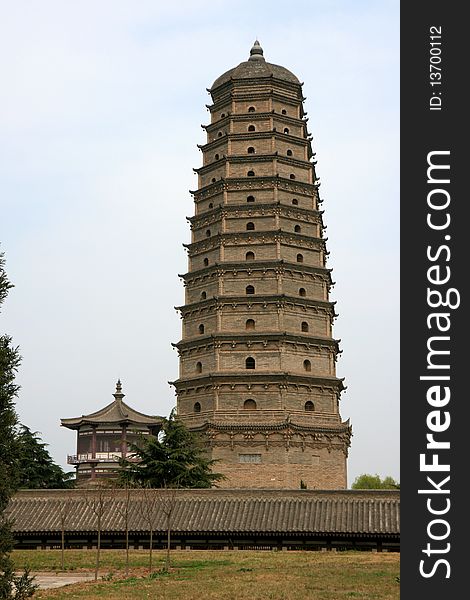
pixel 76 459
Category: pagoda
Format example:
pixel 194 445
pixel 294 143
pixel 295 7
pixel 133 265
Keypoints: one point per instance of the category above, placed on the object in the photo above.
pixel 103 437
pixel 257 355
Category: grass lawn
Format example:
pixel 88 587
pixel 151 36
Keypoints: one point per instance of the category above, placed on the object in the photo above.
pixel 224 575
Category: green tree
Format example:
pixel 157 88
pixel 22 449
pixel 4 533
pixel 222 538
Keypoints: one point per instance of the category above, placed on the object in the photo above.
pixel 36 468
pixel 170 459
pixel 375 482
pixel 10 585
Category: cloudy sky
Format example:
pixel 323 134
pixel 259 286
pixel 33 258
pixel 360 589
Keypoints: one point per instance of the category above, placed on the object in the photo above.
pixel 100 114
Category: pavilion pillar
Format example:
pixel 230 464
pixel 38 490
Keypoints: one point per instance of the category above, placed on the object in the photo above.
pixel 93 443
pixel 124 441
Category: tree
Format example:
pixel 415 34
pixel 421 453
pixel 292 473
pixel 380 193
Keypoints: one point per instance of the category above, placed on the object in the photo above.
pixel 123 508
pixel 148 509
pixel 374 482
pixel 171 459
pixel 98 501
pixel 10 585
pixel 36 468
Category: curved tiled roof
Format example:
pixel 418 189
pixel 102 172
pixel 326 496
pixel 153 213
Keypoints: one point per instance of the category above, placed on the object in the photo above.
pixel 114 412
pixel 255 67
pixel 359 512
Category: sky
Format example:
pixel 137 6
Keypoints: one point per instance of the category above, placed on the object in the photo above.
pixel 100 114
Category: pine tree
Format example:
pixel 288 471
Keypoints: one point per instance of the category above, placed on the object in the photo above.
pixel 171 459
pixel 11 585
pixel 36 468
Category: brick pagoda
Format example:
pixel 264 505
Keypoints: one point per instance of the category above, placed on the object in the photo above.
pixel 257 355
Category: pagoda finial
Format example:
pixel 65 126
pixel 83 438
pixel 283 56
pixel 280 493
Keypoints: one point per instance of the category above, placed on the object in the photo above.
pixel 118 393
pixel 256 52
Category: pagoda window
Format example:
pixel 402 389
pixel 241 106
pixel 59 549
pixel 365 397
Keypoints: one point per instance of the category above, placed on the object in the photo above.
pixel 292 176
pixel 216 157
pixel 250 289
pixel 251 150
pixel 222 116
pixel 250 199
pixel 213 180
pixel 251 128
pixel 211 205
pixel 206 262
pixel 208 233
pixel 249 404
pixel 203 295
pixel 250 324
pixel 201 328
pixel 307 365
pixel 249 458
pixel 197 407
pixel 295 201
pixel 289 153
pixel 309 406
pixel 286 130
pixel 304 326
pixel 297 229
pixel 199 367
pixel 250 174
pixel 284 111
pixel 250 363
pixel 220 134
pixel 302 292
pixel 251 109
pixel 300 258
pixel 250 256
pixel 250 226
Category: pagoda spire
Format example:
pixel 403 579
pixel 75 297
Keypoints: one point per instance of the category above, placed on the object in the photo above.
pixel 256 52
pixel 118 393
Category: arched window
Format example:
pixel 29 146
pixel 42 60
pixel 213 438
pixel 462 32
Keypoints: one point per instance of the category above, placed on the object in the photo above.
pixel 250 226
pixel 250 256
pixel 302 292
pixel 251 174
pixel 251 128
pixel 295 201
pixel 284 111
pixel 307 365
pixel 201 328
pixel 292 176
pixel 251 109
pixel 286 130
pixel 213 180
pixel 309 406
pixel 216 157
pixel 300 258
pixel 250 289
pixel 251 150
pixel 250 324
pixel 250 363
pixel 199 367
pixel 206 262
pixel 250 198
pixel 211 205
pixel 197 407
pixel 208 233
pixel 297 229
pixel 249 405
pixel 203 295
pixel 304 326
pixel 289 153
pixel 222 116
pixel 220 134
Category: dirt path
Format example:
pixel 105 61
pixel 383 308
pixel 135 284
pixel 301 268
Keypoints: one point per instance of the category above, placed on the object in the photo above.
pixel 55 580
